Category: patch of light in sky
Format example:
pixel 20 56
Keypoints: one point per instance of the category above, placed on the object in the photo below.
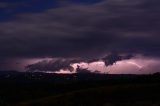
pixel 138 65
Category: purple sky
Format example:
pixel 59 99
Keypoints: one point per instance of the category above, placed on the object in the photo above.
pixel 38 33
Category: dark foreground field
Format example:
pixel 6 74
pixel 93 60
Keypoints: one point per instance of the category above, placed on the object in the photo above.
pixel 80 90
pixel 118 95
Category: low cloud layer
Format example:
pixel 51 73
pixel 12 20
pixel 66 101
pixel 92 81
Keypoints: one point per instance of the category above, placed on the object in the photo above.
pixel 50 65
pixel 66 64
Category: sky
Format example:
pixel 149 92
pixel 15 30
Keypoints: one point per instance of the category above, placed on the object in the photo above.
pixel 111 36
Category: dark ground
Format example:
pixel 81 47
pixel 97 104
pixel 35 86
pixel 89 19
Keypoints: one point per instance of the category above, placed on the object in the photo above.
pixel 39 89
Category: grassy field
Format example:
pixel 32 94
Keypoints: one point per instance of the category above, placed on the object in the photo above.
pixel 111 95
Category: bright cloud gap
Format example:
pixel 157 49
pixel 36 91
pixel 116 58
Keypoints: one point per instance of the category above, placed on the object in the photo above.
pixel 110 64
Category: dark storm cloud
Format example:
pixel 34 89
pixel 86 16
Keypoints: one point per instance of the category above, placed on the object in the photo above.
pixel 55 65
pixel 66 64
pixel 115 57
pixel 51 65
pixel 87 31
